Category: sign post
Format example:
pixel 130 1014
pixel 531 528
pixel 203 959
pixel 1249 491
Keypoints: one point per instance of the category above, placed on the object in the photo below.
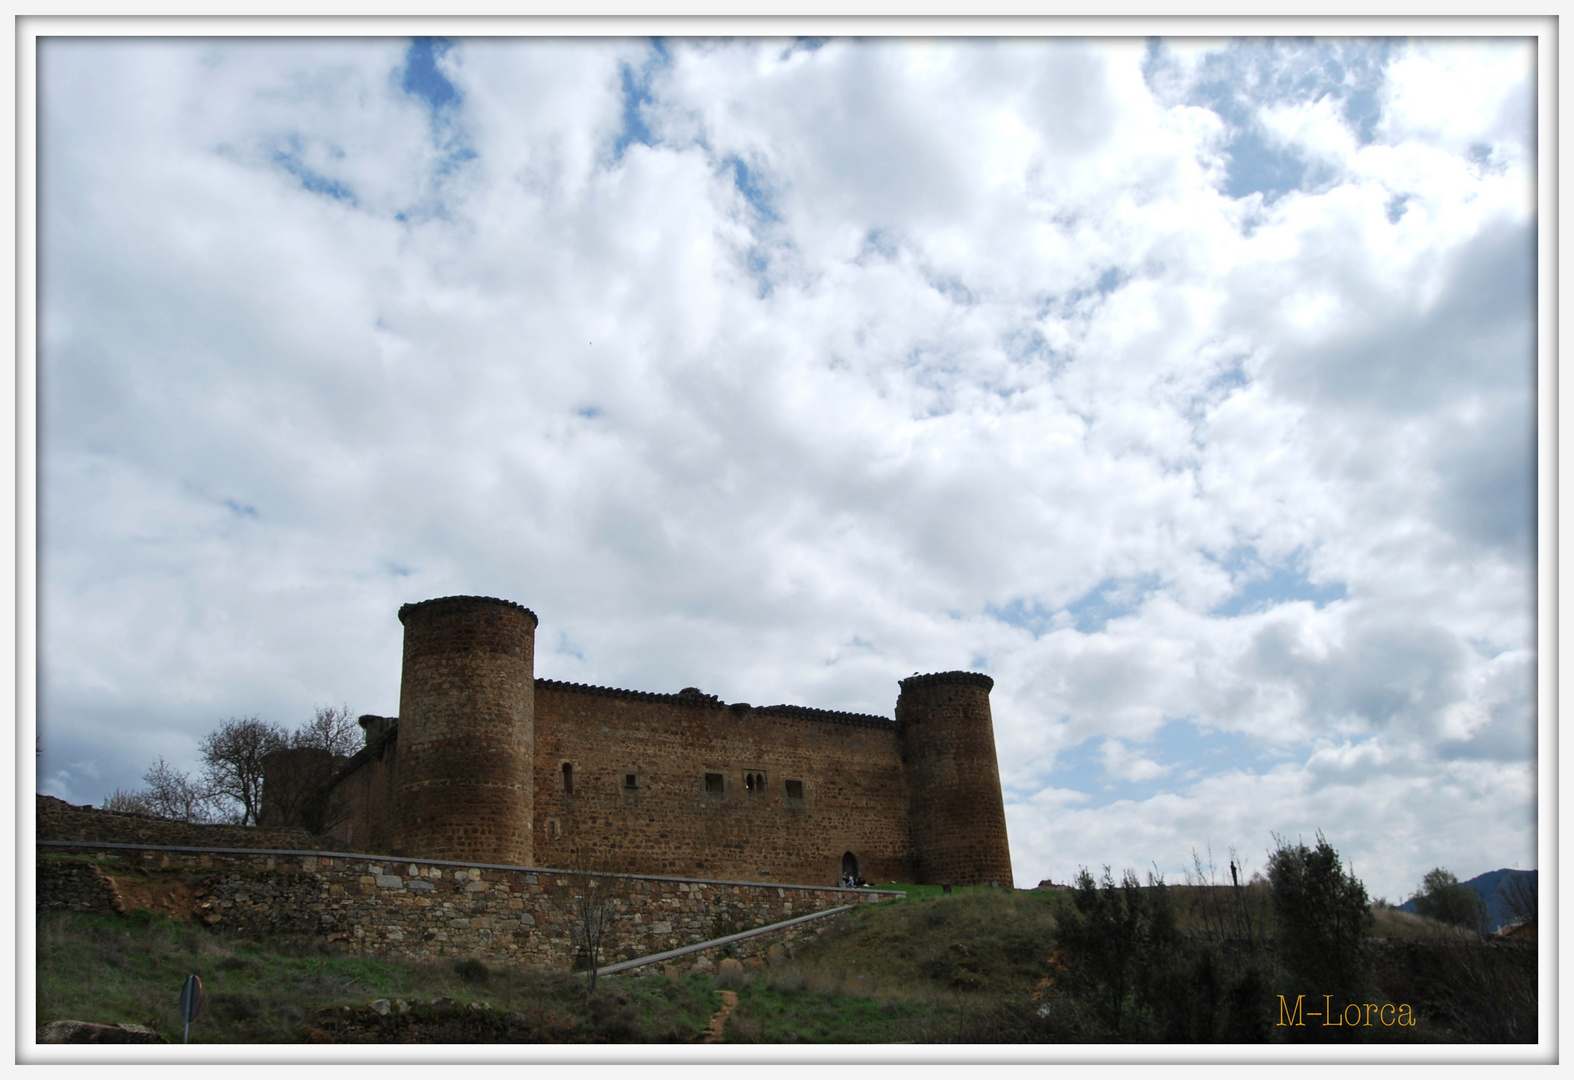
pixel 191 999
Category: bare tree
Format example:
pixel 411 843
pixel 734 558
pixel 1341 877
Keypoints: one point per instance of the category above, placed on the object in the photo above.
pixel 174 795
pixel 590 902
pixel 332 729
pixel 169 794
pixel 232 760
pixel 126 802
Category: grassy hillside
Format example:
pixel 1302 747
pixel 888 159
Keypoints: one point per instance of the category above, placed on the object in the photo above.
pixel 129 969
pixel 980 965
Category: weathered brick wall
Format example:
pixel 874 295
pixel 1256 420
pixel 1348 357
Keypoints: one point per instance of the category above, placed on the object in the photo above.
pixel 418 910
pixel 849 767
pixel 59 820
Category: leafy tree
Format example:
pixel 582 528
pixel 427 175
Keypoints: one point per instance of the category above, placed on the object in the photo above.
pixel 1325 922
pixel 1113 937
pixel 1443 898
pixel 232 762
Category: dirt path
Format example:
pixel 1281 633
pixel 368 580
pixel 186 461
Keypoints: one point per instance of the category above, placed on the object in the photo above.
pixel 718 1023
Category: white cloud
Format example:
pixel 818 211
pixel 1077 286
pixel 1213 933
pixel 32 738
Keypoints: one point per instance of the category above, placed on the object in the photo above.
pixel 858 360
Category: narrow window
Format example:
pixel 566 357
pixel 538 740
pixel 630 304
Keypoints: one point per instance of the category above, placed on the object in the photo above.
pixel 554 829
pixel 714 782
pixel 795 789
pixel 568 778
pixel 630 780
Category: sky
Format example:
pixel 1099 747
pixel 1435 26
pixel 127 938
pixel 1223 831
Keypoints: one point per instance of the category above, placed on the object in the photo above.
pixel 1186 387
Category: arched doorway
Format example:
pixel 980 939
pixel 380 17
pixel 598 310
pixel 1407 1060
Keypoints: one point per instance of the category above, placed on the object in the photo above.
pixel 849 866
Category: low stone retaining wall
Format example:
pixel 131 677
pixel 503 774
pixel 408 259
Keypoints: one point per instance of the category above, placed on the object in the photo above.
pixel 75 886
pixel 415 909
pixel 59 820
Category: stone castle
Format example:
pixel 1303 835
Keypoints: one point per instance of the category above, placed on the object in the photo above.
pixel 488 764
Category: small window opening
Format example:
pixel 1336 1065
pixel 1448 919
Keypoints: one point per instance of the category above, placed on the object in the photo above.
pixel 568 778
pixel 630 780
pixel 754 782
pixel 795 789
pixel 554 830
pixel 714 782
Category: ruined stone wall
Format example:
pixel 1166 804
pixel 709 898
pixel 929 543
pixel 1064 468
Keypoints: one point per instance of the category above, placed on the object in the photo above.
pixel 419 910
pixel 59 820
pixel 847 768
pixel 75 885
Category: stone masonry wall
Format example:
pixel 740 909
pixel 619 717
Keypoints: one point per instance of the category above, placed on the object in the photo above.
pixel 75 886
pixel 59 820
pixel 417 910
pixel 850 790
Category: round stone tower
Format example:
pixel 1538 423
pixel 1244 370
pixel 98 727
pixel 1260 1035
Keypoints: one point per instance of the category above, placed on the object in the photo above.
pixel 464 787
pixel 957 815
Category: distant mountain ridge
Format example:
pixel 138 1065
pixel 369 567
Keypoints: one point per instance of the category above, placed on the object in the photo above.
pixel 1488 885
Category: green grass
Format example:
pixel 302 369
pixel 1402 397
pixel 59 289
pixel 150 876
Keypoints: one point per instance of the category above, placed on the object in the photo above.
pixel 989 942
pixel 129 969
pixel 783 1008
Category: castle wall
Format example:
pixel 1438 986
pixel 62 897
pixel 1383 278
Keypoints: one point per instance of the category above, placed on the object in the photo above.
pixel 359 813
pixel 372 906
pixel 849 767
pixel 489 764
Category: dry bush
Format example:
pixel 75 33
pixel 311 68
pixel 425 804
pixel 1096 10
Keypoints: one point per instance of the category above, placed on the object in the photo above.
pixel 732 979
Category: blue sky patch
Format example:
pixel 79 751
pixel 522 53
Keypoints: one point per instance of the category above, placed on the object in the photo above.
pixel 311 180
pixel 748 184
pixel 567 647
pixel 1187 753
pixel 1112 598
pixel 1259 587
pixel 1258 166
pixel 636 95
pixel 424 79
pixel 240 509
pixel 1029 615
pixel 1251 74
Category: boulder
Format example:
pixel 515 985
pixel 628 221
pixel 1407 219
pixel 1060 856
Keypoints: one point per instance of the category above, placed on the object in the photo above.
pixel 80 1031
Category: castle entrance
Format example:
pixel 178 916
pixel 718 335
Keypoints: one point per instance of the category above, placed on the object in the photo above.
pixel 849 866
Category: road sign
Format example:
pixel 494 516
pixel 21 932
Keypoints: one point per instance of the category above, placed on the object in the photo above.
pixel 192 998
